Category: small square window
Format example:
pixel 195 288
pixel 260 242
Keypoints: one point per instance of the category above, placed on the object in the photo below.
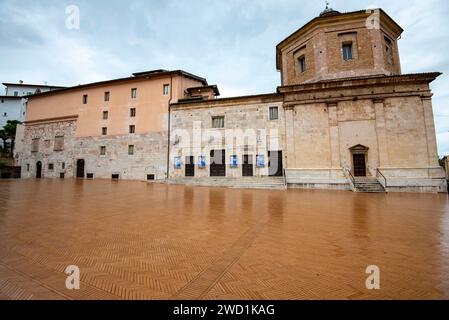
pixel 274 113
pixel 115 177
pixel 63 166
pixel 102 150
pixel 151 177
pixel 218 122
pixel 51 166
pixel 104 131
pixel 107 96
pixel 85 98
pixel 105 115
pixel 166 89
pixel 61 175
pixel 132 129
pixel 132 112
pixel 16 93
pixel 133 93
pixel 131 150
pixel 90 176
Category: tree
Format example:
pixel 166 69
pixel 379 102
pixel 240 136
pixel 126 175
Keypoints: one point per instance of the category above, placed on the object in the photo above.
pixel 9 132
pixel 4 137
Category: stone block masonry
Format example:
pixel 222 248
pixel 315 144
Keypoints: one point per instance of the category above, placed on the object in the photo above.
pixel 149 153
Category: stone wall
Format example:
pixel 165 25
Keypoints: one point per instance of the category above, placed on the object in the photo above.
pixel 248 130
pixel 149 158
pixel 393 130
pixel 62 161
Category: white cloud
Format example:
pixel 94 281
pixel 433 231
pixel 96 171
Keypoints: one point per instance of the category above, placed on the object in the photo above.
pixel 232 43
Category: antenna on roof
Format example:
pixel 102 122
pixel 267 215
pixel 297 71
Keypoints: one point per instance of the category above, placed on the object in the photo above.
pixel 327 4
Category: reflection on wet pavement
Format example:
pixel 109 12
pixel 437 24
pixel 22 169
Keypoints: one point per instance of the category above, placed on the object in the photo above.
pixel 133 240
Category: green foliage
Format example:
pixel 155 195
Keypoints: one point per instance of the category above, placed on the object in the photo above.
pixel 9 133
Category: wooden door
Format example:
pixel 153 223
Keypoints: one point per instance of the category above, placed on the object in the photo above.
pixel 247 167
pixel 359 165
pixel 218 163
pixel 190 166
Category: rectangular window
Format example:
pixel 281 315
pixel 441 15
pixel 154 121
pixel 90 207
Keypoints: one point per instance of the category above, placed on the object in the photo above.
pixel 133 93
pixel 85 98
pixel 274 113
pixel 388 50
pixel 132 129
pixel 106 96
pixel 151 177
pixel 59 143
pixel 105 115
pixel 302 64
pixel 35 145
pixel 166 89
pixel 347 51
pixel 104 131
pixel 132 112
pixel 63 166
pixel 51 166
pixel 28 167
pixel 131 150
pixel 218 122
pixel 16 93
pixel 102 150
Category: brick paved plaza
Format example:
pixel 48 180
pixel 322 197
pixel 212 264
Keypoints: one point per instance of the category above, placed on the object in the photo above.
pixel 133 240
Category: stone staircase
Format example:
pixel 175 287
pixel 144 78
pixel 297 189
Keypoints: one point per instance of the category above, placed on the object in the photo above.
pixel 368 185
pixel 276 183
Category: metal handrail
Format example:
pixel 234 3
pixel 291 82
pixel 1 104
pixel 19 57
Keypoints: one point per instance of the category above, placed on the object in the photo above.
pixel 351 177
pixel 379 172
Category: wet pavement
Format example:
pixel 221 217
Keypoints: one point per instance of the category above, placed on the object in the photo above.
pixel 133 240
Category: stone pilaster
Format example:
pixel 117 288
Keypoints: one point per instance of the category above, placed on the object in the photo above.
pixel 290 136
pixel 432 149
pixel 334 135
pixel 381 131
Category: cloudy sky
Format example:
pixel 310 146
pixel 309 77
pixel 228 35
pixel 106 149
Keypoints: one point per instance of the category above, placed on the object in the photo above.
pixel 231 43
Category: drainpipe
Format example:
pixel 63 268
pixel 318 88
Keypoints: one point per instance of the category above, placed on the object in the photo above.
pixel 169 126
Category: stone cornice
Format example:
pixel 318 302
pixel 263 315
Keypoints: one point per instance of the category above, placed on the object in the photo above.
pixel 263 98
pixel 351 83
pixel 51 120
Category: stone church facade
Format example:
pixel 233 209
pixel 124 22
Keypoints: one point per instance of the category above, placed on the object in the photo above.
pixel 344 117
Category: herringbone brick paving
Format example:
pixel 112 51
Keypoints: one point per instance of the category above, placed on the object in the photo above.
pixel 133 240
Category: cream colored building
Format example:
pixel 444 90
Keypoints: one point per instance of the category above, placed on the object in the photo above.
pixel 344 117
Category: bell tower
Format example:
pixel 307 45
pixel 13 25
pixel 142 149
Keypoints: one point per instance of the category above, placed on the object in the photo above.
pixel 338 45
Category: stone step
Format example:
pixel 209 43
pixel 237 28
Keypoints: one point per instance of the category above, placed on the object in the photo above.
pixel 243 183
pixel 368 185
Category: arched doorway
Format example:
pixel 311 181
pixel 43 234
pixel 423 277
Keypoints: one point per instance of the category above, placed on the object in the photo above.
pixel 80 168
pixel 359 157
pixel 38 170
